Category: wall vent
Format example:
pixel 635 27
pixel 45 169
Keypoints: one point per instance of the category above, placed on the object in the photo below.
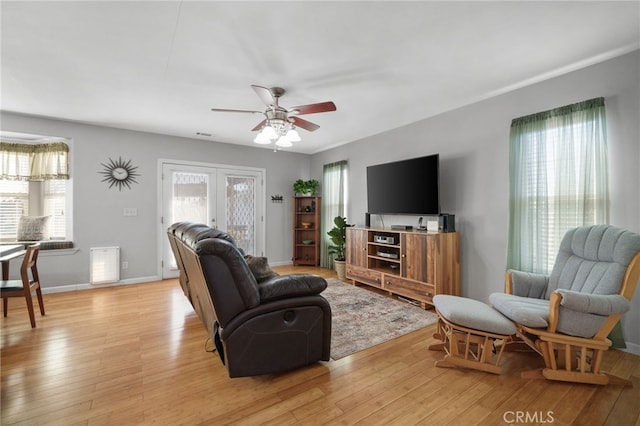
pixel 104 265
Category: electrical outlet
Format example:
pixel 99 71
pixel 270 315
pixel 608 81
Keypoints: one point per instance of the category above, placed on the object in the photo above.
pixel 125 264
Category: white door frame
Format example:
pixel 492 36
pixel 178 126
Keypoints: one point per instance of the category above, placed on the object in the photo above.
pixel 260 202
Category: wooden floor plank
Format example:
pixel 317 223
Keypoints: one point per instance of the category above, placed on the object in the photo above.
pixel 626 410
pixel 599 406
pixel 137 354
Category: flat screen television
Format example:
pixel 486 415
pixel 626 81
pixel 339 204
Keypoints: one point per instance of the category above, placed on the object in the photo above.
pixel 408 187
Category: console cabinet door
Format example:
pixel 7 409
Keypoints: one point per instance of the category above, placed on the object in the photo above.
pixel 356 253
pixel 414 256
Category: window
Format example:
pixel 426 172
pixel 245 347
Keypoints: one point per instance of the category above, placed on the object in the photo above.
pixel 14 202
pixel 33 182
pixel 558 180
pixel 334 202
pixel 54 198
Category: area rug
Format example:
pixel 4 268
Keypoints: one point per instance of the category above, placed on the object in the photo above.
pixel 362 318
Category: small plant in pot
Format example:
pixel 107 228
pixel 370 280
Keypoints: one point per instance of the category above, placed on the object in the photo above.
pixel 338 237
pixel 306 187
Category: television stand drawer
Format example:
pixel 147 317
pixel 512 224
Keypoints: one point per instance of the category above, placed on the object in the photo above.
pixel 419 291
pixel 364 275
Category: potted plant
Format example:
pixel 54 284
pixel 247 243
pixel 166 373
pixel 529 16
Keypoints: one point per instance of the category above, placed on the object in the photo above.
pixel 338 237
pixel 306 187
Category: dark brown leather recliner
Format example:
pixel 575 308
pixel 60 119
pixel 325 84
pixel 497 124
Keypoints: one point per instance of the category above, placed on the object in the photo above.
pixel 280 324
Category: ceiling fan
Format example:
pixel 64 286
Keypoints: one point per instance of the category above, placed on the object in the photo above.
pixel 280 123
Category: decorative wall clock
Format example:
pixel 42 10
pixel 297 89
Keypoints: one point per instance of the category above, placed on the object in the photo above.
pixel 119 173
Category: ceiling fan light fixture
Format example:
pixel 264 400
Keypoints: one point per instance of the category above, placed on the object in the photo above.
pixel 262 139
pixel 284 142
pixel 293 135
pixel 279 124
pixel 269 132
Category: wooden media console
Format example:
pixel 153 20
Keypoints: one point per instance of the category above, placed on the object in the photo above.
pixel 412 264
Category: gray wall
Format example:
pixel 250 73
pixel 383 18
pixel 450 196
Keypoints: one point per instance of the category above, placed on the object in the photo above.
pixel 98 211
pixel 473 143
pixel 473 146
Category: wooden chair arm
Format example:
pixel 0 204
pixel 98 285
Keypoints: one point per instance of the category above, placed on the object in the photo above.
pixel 631 277
pixel 554 311
pixel 508 283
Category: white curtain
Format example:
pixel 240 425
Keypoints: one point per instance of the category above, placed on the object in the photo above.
pixel 558 180
pixel 19 161
pixel 334 194
pixel 15 161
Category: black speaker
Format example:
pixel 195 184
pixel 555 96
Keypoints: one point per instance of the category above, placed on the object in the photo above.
pixel 367 219
pixel 447 222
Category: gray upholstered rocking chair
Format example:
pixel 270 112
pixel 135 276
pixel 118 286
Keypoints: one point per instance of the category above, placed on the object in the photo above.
pixel 567 316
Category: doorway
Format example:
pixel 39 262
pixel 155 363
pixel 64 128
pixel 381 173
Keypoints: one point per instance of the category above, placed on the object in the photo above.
pixel 229 198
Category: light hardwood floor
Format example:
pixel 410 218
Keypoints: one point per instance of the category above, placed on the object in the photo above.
pixel 138 354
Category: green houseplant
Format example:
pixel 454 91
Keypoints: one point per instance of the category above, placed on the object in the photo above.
pixel 306 187
pixel 338 237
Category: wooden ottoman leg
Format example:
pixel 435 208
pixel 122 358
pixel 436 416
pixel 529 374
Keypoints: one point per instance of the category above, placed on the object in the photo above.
pixel 440 335
pixel 469 348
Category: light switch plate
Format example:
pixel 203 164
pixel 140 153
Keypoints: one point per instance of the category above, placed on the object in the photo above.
pixel 130 211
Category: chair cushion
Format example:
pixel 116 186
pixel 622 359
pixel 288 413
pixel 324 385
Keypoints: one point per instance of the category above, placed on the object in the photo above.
pixel 523 310
pixel 579 324
pixel 472 314
pixel 11 285
pixel 534 313
pixel 593 259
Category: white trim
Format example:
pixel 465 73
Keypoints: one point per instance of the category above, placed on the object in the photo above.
pixel 87 286
pixel 632 348
pixel 282 263
pixel 162 161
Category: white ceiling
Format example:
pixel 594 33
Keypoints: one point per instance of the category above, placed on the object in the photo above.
pixel 161 66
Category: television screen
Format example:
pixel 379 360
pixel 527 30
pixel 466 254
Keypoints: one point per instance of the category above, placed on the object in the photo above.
pixel 404 187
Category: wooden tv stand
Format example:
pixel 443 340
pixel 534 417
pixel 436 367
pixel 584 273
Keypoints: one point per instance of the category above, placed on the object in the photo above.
pixel 412 264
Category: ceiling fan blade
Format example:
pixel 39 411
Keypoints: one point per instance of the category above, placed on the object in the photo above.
pixel 304 124
pixel 313 108
pixel 236 110
pixel 259 126
pixel 265 95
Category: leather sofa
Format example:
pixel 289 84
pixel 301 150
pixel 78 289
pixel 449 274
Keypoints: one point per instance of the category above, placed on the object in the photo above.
pixel 279 324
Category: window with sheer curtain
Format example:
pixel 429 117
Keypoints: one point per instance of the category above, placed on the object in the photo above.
pixel 334 202
pixel 33 182
pixel 558 180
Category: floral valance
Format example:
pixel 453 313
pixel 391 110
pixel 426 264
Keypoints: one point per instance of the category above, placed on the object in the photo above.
pixel 33 162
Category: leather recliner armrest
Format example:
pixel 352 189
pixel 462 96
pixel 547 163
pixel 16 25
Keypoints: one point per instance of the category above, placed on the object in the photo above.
pixel 294 285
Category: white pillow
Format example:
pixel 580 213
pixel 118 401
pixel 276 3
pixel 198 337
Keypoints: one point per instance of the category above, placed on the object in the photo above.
pixel 33 228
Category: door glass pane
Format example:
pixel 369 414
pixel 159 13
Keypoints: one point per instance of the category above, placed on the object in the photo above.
pixel 240 214
pixel 189 201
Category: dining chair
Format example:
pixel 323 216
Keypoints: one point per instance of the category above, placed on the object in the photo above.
pixel 25 286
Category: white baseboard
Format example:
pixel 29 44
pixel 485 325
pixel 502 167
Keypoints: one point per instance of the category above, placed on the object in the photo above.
pixel 282 263
pixel 74 287
pixel 632 348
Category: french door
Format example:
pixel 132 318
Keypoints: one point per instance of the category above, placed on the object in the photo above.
pixel 223 197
